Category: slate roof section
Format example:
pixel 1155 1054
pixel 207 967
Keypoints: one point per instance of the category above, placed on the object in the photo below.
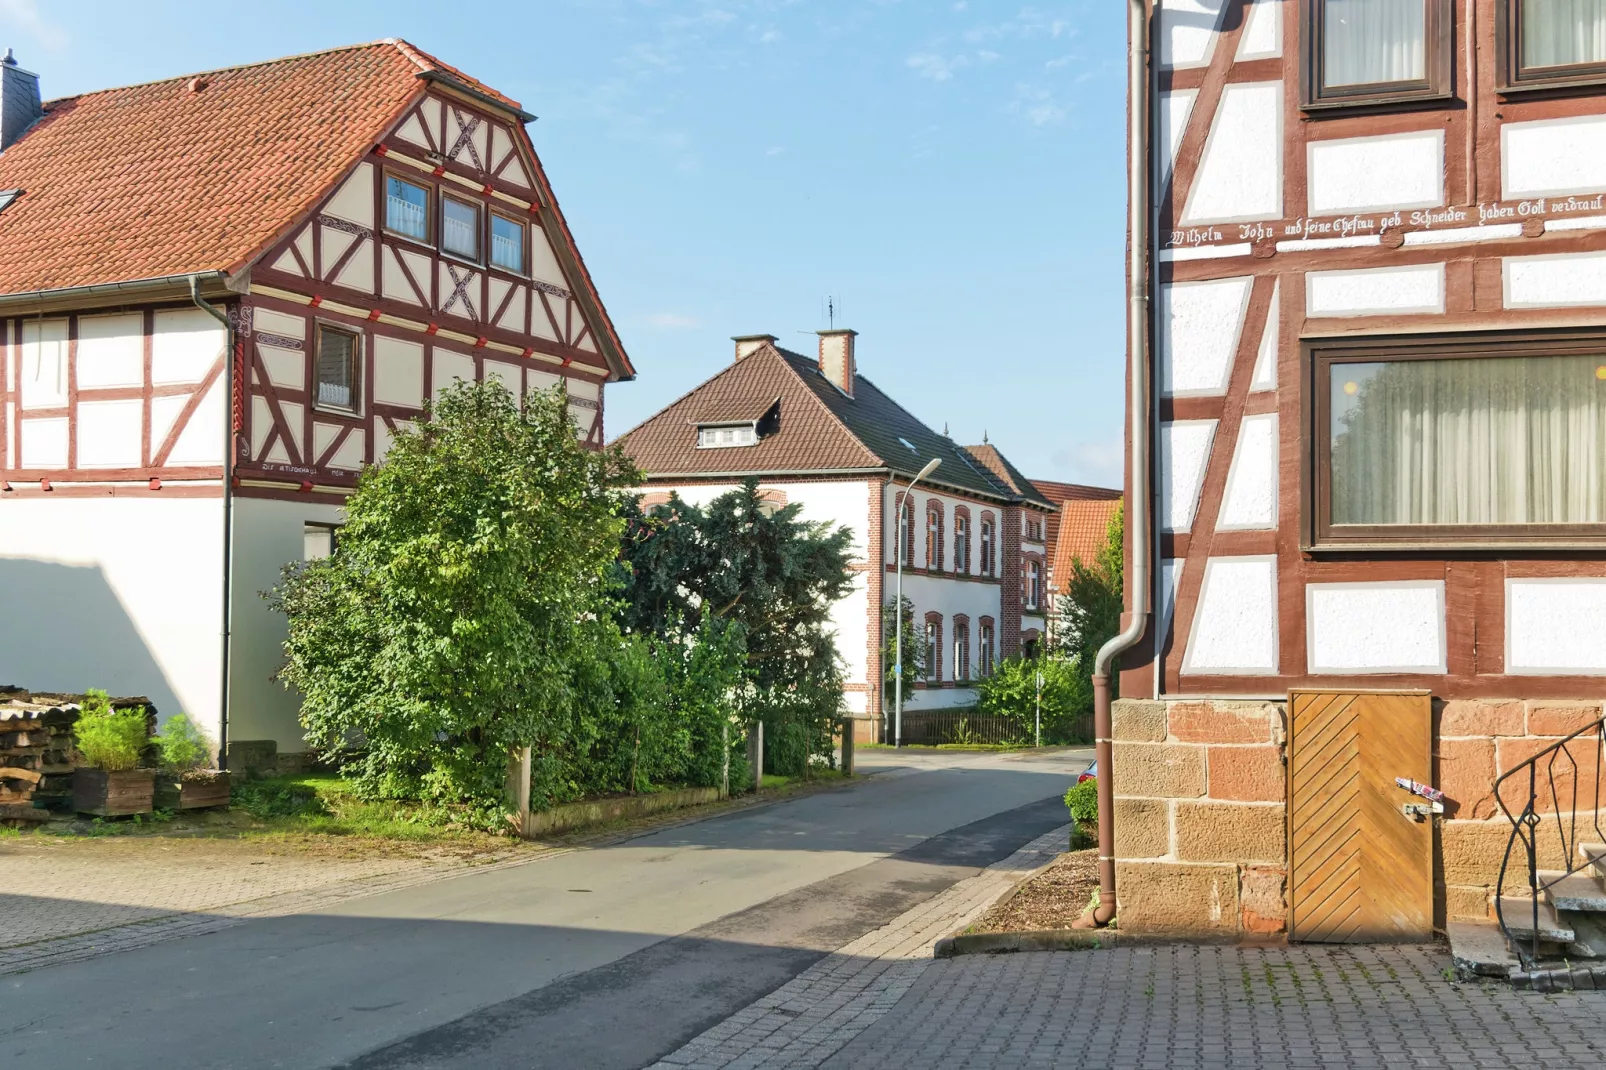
pixel 821 430
pixel 1008 474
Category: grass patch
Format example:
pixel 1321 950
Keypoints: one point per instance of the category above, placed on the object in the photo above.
pixel 323 804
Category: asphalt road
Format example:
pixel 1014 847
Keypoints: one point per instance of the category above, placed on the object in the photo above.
pixel 600 958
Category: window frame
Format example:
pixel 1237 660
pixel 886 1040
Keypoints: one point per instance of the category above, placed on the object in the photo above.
pixel 332 530
pixel 429 207
pixel 961 543
pixel 357 336
pixel 716 427
pixel 961 642
pixel 985 652
pixel 934 533
pixel 1512 78
pixel 1438 31
pixel 1319 355
pixel 988 534
pixel 523 271
pixel 479 229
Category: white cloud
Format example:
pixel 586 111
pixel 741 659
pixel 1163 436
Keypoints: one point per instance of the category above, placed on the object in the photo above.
pixel 673 321
pixel 1098 463
pixel 937 68
pixel 1036 105
pixel 25 13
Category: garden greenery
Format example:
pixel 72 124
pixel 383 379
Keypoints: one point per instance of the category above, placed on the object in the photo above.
pixel 110 739
pixel 1011 692
pixel 182 745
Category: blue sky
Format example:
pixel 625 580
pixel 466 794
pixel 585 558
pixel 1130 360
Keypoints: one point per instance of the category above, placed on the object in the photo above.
pixel 950 172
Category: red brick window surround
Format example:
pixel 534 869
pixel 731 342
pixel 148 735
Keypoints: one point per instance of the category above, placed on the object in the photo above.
pixel 989 544
pixel 961 647
pixel 934 534
pixel 1032 589
pixel 961 540
pixel 985 647
pixel 906 531
pixel 933 648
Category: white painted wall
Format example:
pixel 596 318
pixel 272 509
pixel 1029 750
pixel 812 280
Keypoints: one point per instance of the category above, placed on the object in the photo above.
pixel 1250 500
pixel 119 593
pixel 1553 157
pixel 1394 626
pixel 1199 327
pixel 1555 281
pixel 1235 626
pixel 1240 174
pixel 1368 174
pixel 267 536
pixel 1554 627
pixel 1186 34
pixel 1375 291
pixel 1184 453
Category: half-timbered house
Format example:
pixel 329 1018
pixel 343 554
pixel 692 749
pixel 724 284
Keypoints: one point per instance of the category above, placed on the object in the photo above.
pixel 221 295
pixel 1370 401
pixel 814 432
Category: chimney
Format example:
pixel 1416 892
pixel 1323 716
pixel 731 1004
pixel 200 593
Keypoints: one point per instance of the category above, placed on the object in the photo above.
pixel 748 344
pixel 836 358
pixel 19 101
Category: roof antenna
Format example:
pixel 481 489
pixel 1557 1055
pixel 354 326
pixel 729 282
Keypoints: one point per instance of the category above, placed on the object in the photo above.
pixel 984 436
pixel 945 429
pixel 830 312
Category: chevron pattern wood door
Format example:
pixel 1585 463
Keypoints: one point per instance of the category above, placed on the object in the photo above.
pixel 1361 870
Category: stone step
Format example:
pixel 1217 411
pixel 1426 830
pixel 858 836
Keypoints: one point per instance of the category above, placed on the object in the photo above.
pixel 1579 891
pixel 1478 949
pixel 1589 934
pixel 1595 855
pixel 1518 913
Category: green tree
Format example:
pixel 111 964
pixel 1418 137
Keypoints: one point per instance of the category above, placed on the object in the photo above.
pixel 454 622
pixel 1090 607
pixel 1011 692
pixel 914 651
pixel 770 574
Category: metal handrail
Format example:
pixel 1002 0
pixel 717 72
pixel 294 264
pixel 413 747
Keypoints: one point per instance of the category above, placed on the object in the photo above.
pixel 1526 825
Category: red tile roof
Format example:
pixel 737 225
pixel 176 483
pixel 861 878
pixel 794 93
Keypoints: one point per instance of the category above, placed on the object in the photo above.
pixel 1078 530
pixel 197 173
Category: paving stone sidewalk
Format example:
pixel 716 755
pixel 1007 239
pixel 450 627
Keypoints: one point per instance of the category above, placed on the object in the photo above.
pixel 810 1017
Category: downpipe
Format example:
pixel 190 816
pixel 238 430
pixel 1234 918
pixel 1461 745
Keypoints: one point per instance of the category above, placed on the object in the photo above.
pixel 228 508
pixel 1138 430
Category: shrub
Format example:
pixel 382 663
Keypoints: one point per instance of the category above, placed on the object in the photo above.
pixel 1011 692
pixel 110 739
pixel 267 799
pixel 182 745
pixel 1083 802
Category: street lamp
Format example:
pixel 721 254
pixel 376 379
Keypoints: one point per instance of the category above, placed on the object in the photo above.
pixel 897 619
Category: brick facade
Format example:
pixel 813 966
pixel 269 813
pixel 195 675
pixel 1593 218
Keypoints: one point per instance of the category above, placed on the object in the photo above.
pixel 1009 570
pixel 875 510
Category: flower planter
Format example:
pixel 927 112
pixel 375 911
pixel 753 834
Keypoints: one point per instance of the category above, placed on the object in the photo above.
pixel 193 791
pixel 128 791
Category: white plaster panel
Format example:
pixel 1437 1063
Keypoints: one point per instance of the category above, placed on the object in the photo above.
pixel 434 114
pixel 1366 174
pixel 1264 376
pixel 382 440
pixel 1556 281
pixel 450 366
pixel 165 410
pixel 109 433
pixel 288 264
pixel 544 262
pixel 267 536
pixel 285 367
pixel 1199 327
pixel 42 375
pixel 111 351
pixel 588 343
pixel 295 417
pixel 1240 173
pixel 1172 119
pixel 123 594
pixel 350 454
pixel 1263 31
pixel 335 243
pixel 541 320
pixel 322 435
pixel 1184 452
pixel 186 343
pixel 398 371
pixel 44 444
pixel 413 131
pixel 354 201
pixel 201 441
pixel 1186 31
pixel 280 453
pixel 1392 626
pixel 536 379
pixel 1554 627
pixel 275 322
pixel 303 245
pixel 393 280
pixel 261 424
pixel 512 316
pixel 579 388
pixel 1375 292
pixel 583 419
pixel 509 375
pixel 1553 157
pixel 1170 581
pixel 358 274
pixel 1235 625
pixel 498 289
pixel 1250 500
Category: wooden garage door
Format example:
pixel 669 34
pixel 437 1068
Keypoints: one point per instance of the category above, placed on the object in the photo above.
pixel 1361 868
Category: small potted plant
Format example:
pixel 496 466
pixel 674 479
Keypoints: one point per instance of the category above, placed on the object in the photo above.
pixel 186 782
pixel 111 742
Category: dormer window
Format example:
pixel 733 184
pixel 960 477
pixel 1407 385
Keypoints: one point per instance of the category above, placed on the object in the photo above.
pixel 716 437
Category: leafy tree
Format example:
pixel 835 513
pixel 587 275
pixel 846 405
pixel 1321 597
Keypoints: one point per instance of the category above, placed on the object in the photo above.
pixel 1090 608
pixel 454 621
pixel 914 651
pixel 1011 692
pixel 771 575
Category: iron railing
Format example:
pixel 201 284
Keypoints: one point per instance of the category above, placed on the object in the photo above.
pixel 932 727
pixel 1568 771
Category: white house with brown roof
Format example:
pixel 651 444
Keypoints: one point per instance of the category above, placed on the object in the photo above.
pixel 813 431
pixel 220 296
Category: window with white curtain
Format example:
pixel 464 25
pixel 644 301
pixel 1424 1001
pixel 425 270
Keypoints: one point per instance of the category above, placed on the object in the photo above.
pixel 1366 51
pixel 460 228
pixel 339 355
pixel 406 208
pixel 1556 39
pixel 1467 444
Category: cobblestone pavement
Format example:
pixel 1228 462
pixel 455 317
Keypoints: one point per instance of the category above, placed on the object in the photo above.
pixel 804 1021
pixel 69 901
pixel 1227 1007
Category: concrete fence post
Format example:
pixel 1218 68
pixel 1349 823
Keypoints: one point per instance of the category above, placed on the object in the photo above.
pixel 517 789
pixel 847 745
pixel 755 752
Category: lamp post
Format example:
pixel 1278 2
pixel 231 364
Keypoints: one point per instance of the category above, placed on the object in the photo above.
pixel 897 617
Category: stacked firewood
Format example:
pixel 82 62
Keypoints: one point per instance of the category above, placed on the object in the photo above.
pixel 37 756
